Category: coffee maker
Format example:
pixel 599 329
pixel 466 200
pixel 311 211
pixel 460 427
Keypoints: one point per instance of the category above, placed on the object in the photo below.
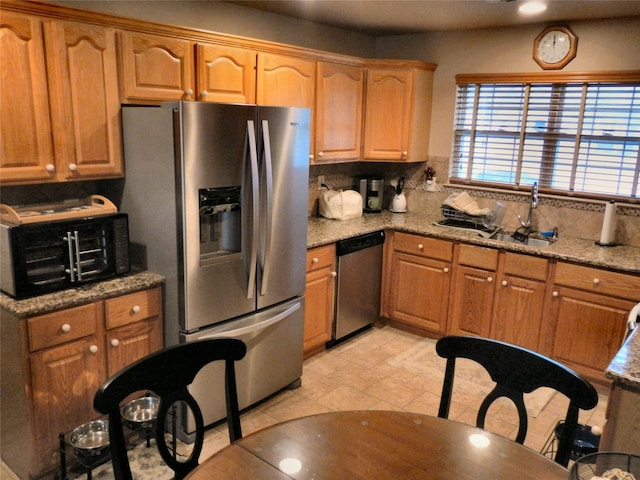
pixel 372 190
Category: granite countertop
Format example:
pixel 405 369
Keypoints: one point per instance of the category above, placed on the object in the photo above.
pixel 322 231
pixel 28 307
pixel 625 367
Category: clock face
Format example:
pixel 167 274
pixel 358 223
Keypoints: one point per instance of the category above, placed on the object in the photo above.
pixel 554 46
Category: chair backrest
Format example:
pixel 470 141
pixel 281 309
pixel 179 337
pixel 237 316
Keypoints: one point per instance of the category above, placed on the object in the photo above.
pixel 517 371
pixel 167 374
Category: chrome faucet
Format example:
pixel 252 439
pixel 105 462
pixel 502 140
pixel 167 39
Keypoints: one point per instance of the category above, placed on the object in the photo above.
pixel 533 203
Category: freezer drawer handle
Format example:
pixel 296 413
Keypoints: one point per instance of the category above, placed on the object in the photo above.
pixel 258 326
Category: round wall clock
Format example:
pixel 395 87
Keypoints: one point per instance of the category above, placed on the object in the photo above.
pixel 555 47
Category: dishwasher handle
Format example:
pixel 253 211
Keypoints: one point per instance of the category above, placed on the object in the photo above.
pixel 354 244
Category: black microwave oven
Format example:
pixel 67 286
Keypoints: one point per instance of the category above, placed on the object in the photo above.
pixel 45 257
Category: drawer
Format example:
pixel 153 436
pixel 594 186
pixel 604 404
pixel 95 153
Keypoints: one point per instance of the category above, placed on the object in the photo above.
pixel 479 257
pixel 423 246
pixel 321 257
pixel 62 326
pixel 598 280
pixel 133 307
pixel 525 266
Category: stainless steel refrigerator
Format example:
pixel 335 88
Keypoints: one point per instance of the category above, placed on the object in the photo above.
pixel 217 202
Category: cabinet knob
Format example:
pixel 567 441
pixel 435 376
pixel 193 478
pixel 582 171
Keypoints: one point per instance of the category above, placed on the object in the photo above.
pixel 203 94
pixel 445 270
pixel 320 154
pixel 405 153
pixel 188 92
pixel 596 281
pixel 115 342
pixel 314 260
pixel 311 158
pixel 334 274
pixel 50 167
pixel 73 167
pixel 93 349
pixel 554 294
pixel 420 246
pixel 489 279
pixel 136 309
pixel 66 328
pixel 504 283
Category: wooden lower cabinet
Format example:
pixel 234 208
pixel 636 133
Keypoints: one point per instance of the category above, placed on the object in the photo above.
pixel 417 281
pixel 319 298
pixel 60 359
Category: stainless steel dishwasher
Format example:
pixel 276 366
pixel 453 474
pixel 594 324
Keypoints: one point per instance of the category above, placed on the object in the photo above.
pixel 358 286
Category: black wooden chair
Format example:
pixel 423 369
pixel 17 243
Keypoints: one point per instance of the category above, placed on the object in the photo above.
pixel 167 374
pixel 517 371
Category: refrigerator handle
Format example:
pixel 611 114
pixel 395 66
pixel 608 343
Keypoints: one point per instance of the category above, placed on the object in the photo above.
pixel 255 214
pixel 266 241
pixel 254 328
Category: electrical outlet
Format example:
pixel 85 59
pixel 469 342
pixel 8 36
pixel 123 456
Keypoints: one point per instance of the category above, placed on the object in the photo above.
pixel 320 181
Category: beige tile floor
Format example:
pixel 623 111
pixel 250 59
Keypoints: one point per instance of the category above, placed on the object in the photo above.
pixel 360 374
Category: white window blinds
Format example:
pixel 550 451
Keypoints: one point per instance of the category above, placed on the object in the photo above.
pixel 579 137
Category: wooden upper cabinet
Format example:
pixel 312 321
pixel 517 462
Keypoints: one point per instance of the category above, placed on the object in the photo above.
pixel 225 74
pixel 26 147
pixel 339 94
pixel 85 105
pixel 397 113
pixel 155 68
pixel 285 81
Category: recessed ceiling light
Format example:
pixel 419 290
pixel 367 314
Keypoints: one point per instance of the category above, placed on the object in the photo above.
pixel 531 8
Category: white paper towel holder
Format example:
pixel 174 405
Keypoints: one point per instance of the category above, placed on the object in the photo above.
pixel 606 237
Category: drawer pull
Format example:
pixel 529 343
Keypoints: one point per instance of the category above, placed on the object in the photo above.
pixel 314 260
pixel 420 246
pixel 115 342
pixel 445 270
pixel 93 349
pixel 136 309
pixel 504 283
pixel 555 294
pixel 596 281
pixel 66 328
pixel 489 279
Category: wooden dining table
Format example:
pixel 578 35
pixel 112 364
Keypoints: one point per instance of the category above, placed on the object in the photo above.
pixel 376 445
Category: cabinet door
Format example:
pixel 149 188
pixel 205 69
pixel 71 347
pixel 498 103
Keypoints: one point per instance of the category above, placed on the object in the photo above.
pixel 517 311
pixel 26 148
pixel 85 106
pixel 472 301
pixel 285 81
pixel 420 291
pixel 127 344
pixel 339 95
pixel 387 123
pixel 64 380
pixel 319 302
pixel 225 74
pixel 156 68
pixel 589 329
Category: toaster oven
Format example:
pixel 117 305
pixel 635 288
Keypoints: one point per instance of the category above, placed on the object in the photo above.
pixel 38 258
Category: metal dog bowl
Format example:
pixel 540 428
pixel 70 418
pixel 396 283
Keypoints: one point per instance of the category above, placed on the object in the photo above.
pixel 141 412
pixel 90 438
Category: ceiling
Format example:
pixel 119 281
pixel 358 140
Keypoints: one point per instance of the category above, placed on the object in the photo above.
pixel 391 17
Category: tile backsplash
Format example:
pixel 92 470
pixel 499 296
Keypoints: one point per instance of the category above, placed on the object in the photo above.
pixel 573 217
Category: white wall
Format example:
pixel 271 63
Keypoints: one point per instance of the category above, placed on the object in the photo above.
pixel 602 45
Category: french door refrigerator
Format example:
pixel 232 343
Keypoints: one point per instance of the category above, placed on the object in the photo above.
pixel 217 201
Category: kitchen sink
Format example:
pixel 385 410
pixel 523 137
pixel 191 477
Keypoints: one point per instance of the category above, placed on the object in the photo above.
pixel 529 241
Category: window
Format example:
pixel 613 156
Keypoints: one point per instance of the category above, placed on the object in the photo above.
pixel 573 136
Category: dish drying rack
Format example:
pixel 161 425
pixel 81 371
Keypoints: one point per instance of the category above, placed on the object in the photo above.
pixel 486 225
